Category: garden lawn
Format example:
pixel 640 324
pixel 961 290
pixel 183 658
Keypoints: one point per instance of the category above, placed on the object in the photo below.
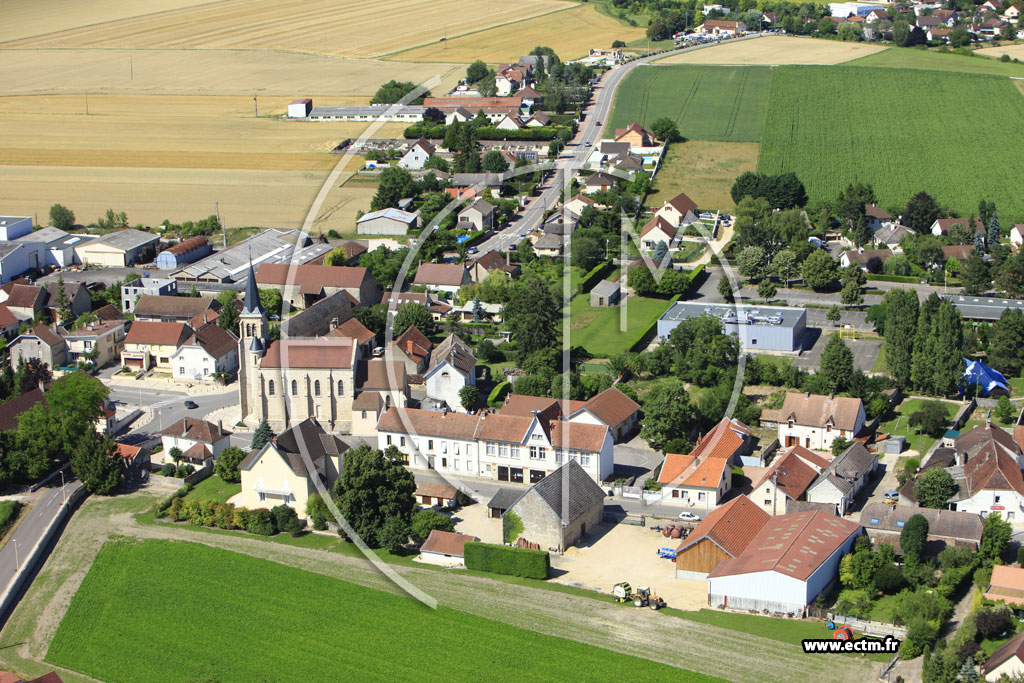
pixel 597 328
pixel 267 612
pixel 898 425
pixel 689 251
pixel 213 488
pixel 706 102
pixel 804 102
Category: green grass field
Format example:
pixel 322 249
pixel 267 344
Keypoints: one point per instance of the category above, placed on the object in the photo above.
pixel 597 329
pixel 8 514
pixel 213 488
pixel 886 137
pixel 903 58
pixel 898 426
pixel 707 102
pixel 224 616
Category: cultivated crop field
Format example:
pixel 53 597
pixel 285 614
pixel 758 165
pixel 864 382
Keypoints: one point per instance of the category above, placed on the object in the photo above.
pixel 843 124
pixel 571 33
pixel 771 50
pixel 349 28
pixel 1016 51
pixel 23 18
pixel 247 619
pixel 904 58
pixel 706 102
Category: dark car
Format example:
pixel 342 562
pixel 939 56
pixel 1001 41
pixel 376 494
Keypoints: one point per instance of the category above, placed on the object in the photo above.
pixel 191 405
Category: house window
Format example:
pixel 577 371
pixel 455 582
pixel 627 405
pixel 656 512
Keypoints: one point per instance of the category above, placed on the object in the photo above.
pixel 430 444
pixel 700 495
pixel 402 442
pixel 515 452
pixel 206 371
pixel 767 502
pixel 316 388
pixel 341 388
pixel 828 428
pixel 585 460
pixel 262 496
pixel 503 450
pixel 270 388
pixel 900 523
pixel 181 370
pixel 874 520
pixel 558 456
pixel 455 465
pixel 456 448
pixel 675 493
pixel 995 499
pixel 536 452
pixel 389 439
pixel 295 388
pixel 491 450
pixel 444 446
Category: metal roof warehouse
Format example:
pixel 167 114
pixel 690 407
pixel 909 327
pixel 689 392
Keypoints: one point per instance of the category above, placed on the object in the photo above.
pixel 768 328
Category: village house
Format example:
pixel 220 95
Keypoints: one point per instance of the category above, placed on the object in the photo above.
pixel 847 474
pixel 557 512
pixel 680 211
pixel 946 528
pixel 417 155
pixel 452 367
pixel 610 408
pixel 990 480
pixel 815 421
pixel 890 237
pixel 209 350
pixel 150 344
pixel 25 301
pixel 277 474
pixel 199 441
pixel 412 349
pixel 75 294
pixel 491 262
pixel 942 226
pixel 132 291
pixel 658 230
pixel 479 215
pixel 437 306
pixel 39 343
pixel 382 384
pixel 598 182
pixel 549 244
pixel 1007 660
pixel 722 535
pixel 721 27
pixel 103 339
pixel 442 277
pixel 868 260
pixel 786 480
pixel 302 286
pixel 1006 585
pixel 636 135
pixel 704 475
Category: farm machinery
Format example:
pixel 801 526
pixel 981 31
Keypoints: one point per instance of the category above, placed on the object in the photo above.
pixel 643 597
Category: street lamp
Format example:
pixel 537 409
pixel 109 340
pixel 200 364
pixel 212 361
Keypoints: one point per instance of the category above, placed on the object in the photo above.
pixel 62 489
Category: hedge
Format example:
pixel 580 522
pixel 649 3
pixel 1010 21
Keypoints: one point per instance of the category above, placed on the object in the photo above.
pixel 490 133
pixel 697 277
pixel 638 342
pixel 594 276
pixel 503 559
pixel 909 279
pixel 498 394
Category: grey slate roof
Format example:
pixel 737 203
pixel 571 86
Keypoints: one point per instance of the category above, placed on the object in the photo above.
pixel 570 492
pixel 605 288
pixel 846 468
pixel 964 526
pixel 503 499
pixel 308 434
pixel 455 351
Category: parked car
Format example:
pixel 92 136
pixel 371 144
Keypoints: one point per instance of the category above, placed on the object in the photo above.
pixel 190 404
pixel 689 516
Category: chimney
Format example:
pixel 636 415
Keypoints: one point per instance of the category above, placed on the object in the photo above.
pixel 220 425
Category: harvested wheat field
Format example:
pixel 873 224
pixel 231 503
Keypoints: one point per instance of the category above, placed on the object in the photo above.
pixel 349 28
pixel 571 33
pixel 1015 51
pixel 222 72
pixel 705 171
pixel 770 50
pixel 25 18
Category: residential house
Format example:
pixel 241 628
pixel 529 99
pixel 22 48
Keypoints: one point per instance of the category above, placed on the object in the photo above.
pixel 477 216
pixel 877 15
pixel 442 277
pixel 119 249
pixel 561 222
pixel 679 211
pixel 531 96
pixel 789 562
pixel 185 251
pixel 417 155
pixel 452 367
pixel 302 286
pixel 657 230
pixel 412 349
pixel 173 309
pixel 477 182
pixel 1013 12
pixel 815 421
pixel 991 480
pixel 388 221
pixel 279 474
pixel 199 441
pixel 445 548
pixel 508 79
pixel 929 22
pixel 100 342
pixel 210 350
pixel 890 237
pixel 39 343
pixel 724 534
pixel 9 323
pixel 580 202
pixel 960 252
pixel 937 34
pixel 636 135
pixel 511 122
pixel 549 244
pixel 611 408
pixel 1017 236
pixel 877 218
pixel 786 480
pixel 26 301
pixel 150 344
pixel 942 226
pixel 721 27
pixel 1007 660
pixel 355 330
pixel 538 119
pixel 844 477
pixel 868 260
pixel 598 182
pixel 382 384
pixel 704 475
pixel 131 291
pixel 77 296
pixel 884 524
pixel 605 293
pixel 458 115
pixel 1006 584
pixel 558 511
pixel 491 262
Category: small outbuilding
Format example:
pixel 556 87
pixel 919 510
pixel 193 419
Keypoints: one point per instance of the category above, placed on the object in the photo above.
pixel 558 510
pixel 605 293
pixel 441 495
pixel 445 548
pixel 300 108
pixel 501 501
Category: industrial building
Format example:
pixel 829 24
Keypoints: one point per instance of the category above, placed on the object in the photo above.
pixel 13 227
pixel 300 108
pixel 56 247
pixel 230 266
pixel 119 249
pixel 186 251
pixel 759 328
pixel 409 113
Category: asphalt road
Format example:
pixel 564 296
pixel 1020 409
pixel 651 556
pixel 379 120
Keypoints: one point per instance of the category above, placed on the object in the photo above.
pixel 169 406
pixel 31 529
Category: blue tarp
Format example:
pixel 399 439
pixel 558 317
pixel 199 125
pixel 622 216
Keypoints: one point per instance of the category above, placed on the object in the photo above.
pixel 985 377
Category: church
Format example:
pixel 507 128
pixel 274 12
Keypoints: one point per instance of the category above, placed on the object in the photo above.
pixel 310 372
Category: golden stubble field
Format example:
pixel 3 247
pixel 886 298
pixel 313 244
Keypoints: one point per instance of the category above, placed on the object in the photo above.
pixel 703 170
pixel 24 18
pixel 352 28
pixel 571 33
pixel 770 50
pixel 1015 51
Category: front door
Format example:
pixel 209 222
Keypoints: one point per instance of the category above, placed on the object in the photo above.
pixel 502 473
pixel 516 474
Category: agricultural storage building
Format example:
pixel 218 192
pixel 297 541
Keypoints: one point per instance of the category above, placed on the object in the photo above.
pixel 760 328
pixel 231 265
pixel 13 227
pixel 884 524
pixel 409 113
pixel 785 566
pixel 119 249
pixel 186 251
pixel 302 286
pixel 300 109
pixel 723 534
pixel 559 509
pixel 387 222
pixel 56 247
pixel 605 293
pixel 17 258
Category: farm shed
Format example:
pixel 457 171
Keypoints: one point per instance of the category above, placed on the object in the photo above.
pixel 445 548
pixel 300 108
pixel 186 251
pixel 788 563
pixel 722 535
pixel 441 495
pixel 604 293
pixel 387 222
pixel 119 249
pixel 502 500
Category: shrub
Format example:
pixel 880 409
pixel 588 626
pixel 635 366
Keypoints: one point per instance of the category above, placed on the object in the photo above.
pixel 1020 556
pixel 982 578
pixel 168 469
pixel 500 559
pixel 511 527
pixel 425 521
pixel 286 520
pixel 921 633
pixel 993 621
pixel 223 516
pixel 260 521
pixel 239 517
pixel 319 523
pixel 889 579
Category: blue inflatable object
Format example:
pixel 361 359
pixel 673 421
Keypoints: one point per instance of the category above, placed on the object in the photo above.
pixel 987 379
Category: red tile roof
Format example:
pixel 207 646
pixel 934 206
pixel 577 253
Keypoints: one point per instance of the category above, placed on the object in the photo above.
pixel 434 490
pixel 611 407
pixel 428 423
pixel 656 223
pixel 7 319
pixel 721 443
pixel 446 543
pixel 24 296
pixel 352 329
pixel 414 344
pixel 731 526
pixel 447 274
pixel 145 332
pixel 682 203
pixel 311 279
pixel 322 352
pixel 195 429
pixel 816 410
pixel 793 475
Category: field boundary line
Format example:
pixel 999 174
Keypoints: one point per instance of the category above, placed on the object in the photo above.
pixel 387 55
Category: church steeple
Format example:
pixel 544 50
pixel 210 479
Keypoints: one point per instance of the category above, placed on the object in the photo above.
pixel 254 318
pixel 252 306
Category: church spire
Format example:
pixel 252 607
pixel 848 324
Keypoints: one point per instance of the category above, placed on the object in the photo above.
pixel 252 305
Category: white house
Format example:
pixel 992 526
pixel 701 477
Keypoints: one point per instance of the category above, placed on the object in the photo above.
pixel 199 441
pixel 597 182
pixel 1017 236
pixel 658 230
pixel 991 481
pixel 211 349
pixel 844 477
pixel 791 560
pixel 452 367
pixel 477 216
pixel 417 155
pixel 1006 660
pixel 387 222
pixel 787 479
pixel 814 421
pixel 679 211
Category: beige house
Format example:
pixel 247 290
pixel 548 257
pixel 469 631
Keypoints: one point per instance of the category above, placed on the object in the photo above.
pixel 105 338
pixel 199 441
pixel 636 135
pixel 787 479
pixel 382 384
pixel 815 421
pixel 149 344
pixel 704 475
pixel 679 211
pixel 656 230
pixel 41 343
pixel 1007 659
pixel 279 474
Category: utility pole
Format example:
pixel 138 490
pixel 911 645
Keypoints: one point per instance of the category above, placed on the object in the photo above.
pixel 17 564
pixel 86 103
pixel 131 67
pixel 62 489
pixel 220 223
pixel 256 105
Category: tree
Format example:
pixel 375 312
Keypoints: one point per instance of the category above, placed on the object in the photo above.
pixel 393 91
pixel 586 253
pixel 660 252
pixel 427 520
pixel 930 418
pixel 922 209
pixel 262 436
pixel 1010 275
pixel 375 496
pixel 934 488
pixel 96 462
pixel 227 463
pixel 766 290
pixel 820 271
pixel 900 329
pixel 834 314
pixel 61 217
pixel 701 350
pixel 665 129
pixel 495 162
pixel 1006 343
pixel 840 444
pixel 286 520
pixel 272 300
pixel 413 314
pixel 914 537
pixel 228 318
pixel 532 315
pixel 476 71
pixel 889 579
pixel 667 413
pixel 784 265
pixel 959 37
pixel 395 184
pixel 1005 410
pixel 947 351
pixel 850 294
pixel 724 289
pixel 995 536
pixel 836 363
pixel 469 396
pixel 753 263
pixel 976 277
pixel 994 230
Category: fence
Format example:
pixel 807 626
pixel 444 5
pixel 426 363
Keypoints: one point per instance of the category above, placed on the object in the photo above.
pixel 870 628
pixel 198 475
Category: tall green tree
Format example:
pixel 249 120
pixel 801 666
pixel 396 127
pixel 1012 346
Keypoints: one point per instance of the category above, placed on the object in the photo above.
pixel 395 184
pixel 995 536
pixel 784 265
pixel 914 537
pixel 948 349
pixel 1006 343
pixel 476 71
pixel 665 129
pixel 227 464
pixel 375 496
pixel 228 318
pixel 262 436
pixel 96 463
pixel 532 315
pixel 850 294
pixel 836 364
pixel 820 270
pixel 62 218
pixel 900 331
pixel 410 314
pixel 495 162
pixel 994 230
pixel 701 350
pixel 668 413
pixel 922 210
pixel 753 263
pixel 976 277
pixel 934 488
